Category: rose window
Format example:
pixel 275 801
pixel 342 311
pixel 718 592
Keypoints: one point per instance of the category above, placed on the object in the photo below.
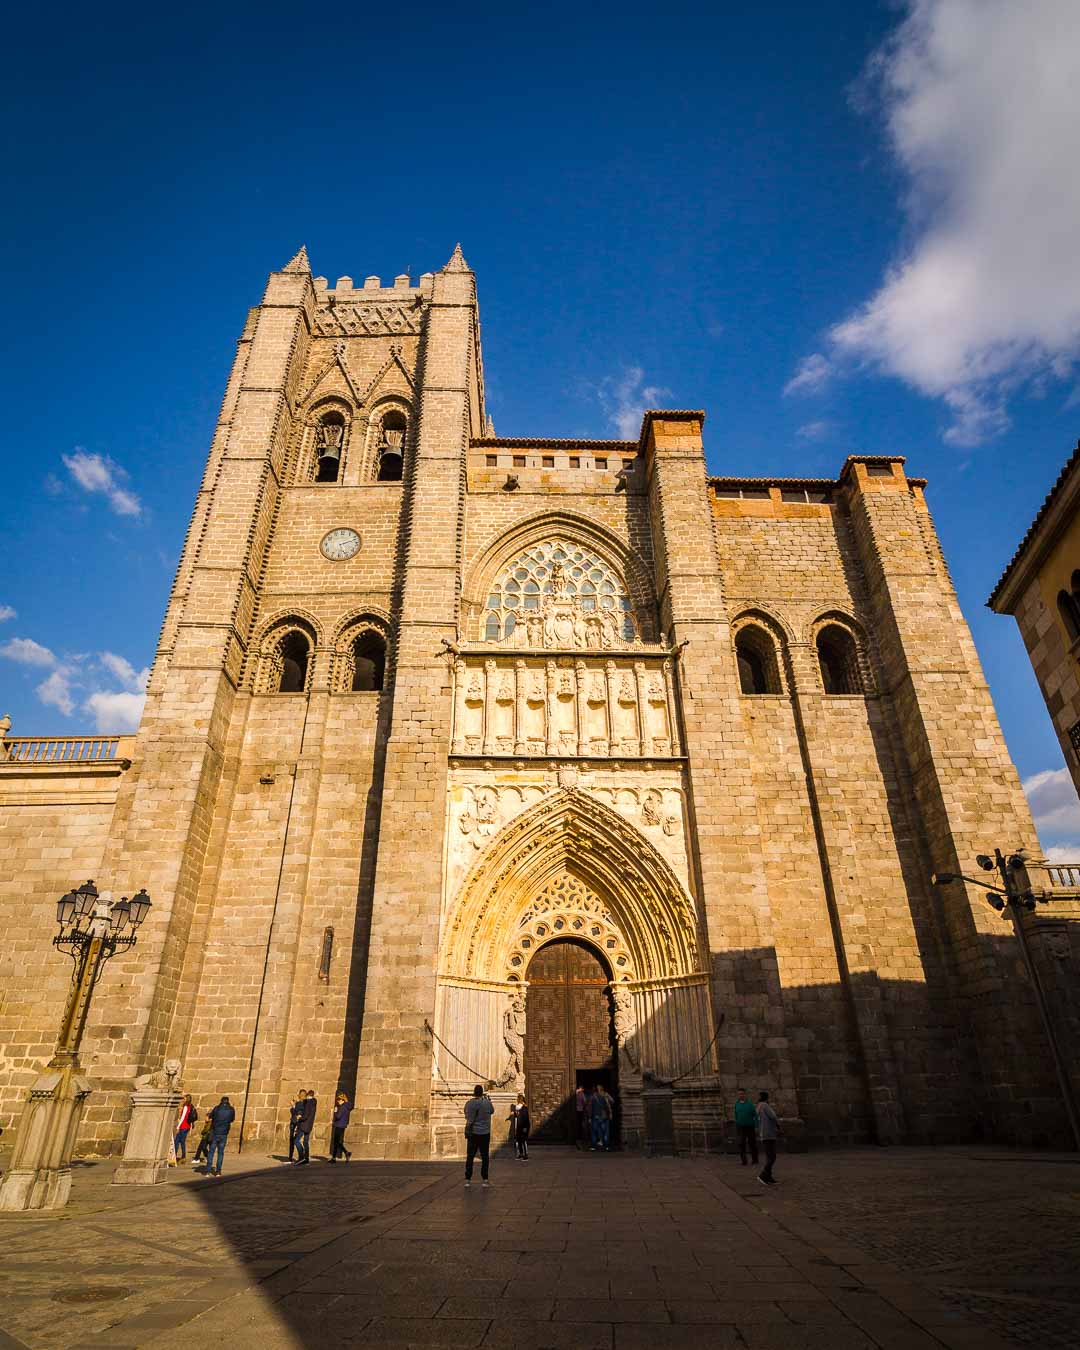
pixel 555 568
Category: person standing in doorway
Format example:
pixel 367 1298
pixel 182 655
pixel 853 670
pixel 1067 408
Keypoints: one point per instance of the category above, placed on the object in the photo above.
pixel 221 1119
pixel 478 1113
pixel 601 1119
pixel 522 1125
pixel 746 1123
pixel 581 1104
pixel 769 1131
pixel 303 1130
pixel 296 1111
pixel 342 1111
pixel 184 1121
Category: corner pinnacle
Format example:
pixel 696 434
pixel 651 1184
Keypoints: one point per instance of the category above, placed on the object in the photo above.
pixel 457 261
pixel 299 263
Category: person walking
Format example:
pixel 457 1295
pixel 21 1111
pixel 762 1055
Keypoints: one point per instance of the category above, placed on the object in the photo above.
pixel 601 1119
pixel 306 1125
pixel 342 1111
pixel 769 1132
pixel 478 1113
pixel 746 1123
pixel 581 1105
pixel 221 1119
pixel 184 1121
pixel 522 1124
pixel 295 1112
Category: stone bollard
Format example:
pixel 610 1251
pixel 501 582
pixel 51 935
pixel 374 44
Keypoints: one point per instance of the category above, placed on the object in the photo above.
pixel 154 1105
pixel 658 1101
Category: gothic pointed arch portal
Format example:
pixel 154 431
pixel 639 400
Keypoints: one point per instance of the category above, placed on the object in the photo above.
pixel 567 867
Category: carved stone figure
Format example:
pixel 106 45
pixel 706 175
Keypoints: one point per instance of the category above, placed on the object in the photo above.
pixel 482 819
pixel 625 1023
pixel 650 809
pixel 514 1038
pixel 534 628
pixel 165 1079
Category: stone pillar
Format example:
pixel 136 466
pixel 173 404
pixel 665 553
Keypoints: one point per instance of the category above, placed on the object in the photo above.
pixel 551 731
pixel 582 694
pixel 729 869
pixel 965 790
pixel 641 679
pixel 490 695
pixel 149 1137
pixel 39 1174
pixel 165 806
pixel 394 1079
pixel 520 694
pixel 461 689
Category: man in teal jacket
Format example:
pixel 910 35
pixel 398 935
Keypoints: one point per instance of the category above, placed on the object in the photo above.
pixel 746 1123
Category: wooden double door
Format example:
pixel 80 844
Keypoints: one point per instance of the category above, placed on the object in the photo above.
pixel 569 1037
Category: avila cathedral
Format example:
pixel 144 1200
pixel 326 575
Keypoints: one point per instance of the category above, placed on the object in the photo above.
pixel 538 763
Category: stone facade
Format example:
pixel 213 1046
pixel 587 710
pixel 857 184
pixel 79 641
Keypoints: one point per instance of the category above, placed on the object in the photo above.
pixel 1041 589
pixel 426 699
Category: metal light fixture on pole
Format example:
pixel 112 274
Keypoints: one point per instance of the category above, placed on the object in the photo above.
pixel 91 930
pixel 1012 901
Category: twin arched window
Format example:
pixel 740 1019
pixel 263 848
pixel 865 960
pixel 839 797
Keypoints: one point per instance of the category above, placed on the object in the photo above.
pixel 288 655
pixel 391 435
pixel 757 658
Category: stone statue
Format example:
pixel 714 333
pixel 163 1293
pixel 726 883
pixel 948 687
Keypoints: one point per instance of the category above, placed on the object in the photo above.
pixel 649 810
pixel 625 1022
pixel 514 1037
pixel 165 1079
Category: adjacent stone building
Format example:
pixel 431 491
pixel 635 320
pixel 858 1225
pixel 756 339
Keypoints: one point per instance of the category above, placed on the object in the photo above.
pixel 1040 588
pixel 533 761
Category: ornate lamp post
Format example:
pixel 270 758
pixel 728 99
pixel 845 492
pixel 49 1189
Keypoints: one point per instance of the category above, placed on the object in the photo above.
pixel 1012 898
pixel 91 930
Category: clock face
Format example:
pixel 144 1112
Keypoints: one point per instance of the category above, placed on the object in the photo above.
pixel 340 544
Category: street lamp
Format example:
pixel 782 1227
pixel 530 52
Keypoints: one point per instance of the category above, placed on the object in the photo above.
pixel 1013 900
pixel 91 931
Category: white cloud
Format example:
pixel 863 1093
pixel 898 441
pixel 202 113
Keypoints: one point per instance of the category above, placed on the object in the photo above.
pixel 6 612
pixel 1064 853
pixel 56 691
pixel 980 104
pixel 814 431
pixel 1055 805
pixel 98 473
pixel 624 399
pixel 115 713
pixel 134 681
pixel 812 374
pixel 27 652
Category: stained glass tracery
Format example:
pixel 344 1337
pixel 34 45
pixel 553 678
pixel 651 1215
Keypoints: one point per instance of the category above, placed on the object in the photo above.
pixel 582 574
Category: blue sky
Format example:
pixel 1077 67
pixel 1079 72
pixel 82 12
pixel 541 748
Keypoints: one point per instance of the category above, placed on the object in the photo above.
pixel 836 227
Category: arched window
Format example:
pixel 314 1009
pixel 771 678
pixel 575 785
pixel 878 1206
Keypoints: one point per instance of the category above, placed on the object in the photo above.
pixel 369 662
pixel 295 653
pixel 755 654
pixel 329 440
pixel 559 569
pixel 1070 614
pixel 838 657
pixel 391 447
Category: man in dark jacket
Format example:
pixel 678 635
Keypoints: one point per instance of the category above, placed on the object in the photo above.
pixel 303 1132
pixel 221 1119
